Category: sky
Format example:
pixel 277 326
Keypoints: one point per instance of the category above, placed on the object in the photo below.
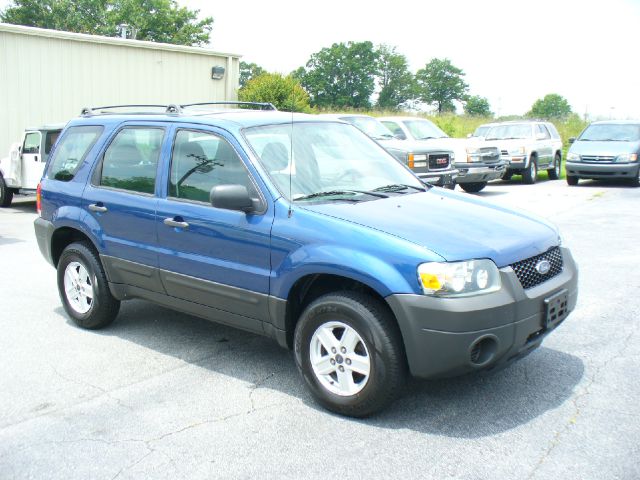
pixel 512 52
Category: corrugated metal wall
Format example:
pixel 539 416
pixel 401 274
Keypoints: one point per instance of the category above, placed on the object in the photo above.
pixel 47 76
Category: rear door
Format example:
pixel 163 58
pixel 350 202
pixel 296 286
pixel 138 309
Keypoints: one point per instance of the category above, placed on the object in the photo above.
pixel 213 257
pixel 121 199
pixel 32 161
pixel 545 150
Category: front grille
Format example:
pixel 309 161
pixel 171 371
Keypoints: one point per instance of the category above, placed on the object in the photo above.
pixel 598 158
pixel 439 161
pixel 489 154
pixel 526 269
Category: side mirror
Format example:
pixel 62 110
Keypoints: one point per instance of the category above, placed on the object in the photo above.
pixel 232 197
pixel 571 140
pixel 469 135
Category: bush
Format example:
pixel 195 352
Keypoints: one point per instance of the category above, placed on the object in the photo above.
pixel 285 93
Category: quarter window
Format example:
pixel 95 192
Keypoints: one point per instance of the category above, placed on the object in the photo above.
pixel 202 161
pixel 130 162
pixel 73 147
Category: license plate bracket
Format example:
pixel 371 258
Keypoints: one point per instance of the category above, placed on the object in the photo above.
pixel 555 309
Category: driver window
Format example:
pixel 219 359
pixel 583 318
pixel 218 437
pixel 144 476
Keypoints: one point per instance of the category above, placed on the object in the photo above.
pixel 31 143
pixel 201 161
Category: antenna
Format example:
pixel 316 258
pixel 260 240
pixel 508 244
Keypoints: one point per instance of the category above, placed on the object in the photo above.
pixel 291 153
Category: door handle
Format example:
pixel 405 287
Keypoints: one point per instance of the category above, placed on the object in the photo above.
pixel 97 207
pixel 172 222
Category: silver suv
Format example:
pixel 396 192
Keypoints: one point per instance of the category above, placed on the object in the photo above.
pixel 528 146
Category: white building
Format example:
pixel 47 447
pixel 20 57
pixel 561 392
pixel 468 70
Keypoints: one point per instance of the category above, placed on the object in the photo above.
pixel 48 76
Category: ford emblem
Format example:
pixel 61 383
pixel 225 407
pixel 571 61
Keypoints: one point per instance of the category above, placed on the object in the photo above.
pixel 543 267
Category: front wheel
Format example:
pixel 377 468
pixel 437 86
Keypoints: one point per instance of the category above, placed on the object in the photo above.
pixel 6 194
pixel 83 288
pixel 530 175
pixel 450 186
pixel 572 181
pixel 349 350
pixel 473 187
pixel 554 173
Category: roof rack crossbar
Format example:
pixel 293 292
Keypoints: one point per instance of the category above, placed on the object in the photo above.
pixel 262 105
pixel 171 108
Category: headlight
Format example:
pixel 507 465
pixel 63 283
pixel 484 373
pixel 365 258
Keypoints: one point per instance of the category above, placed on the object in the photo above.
pixel 473 155
pixel 419 158
pixel 627 157
pixel 450 279
pixel 573 157
pixel 517 151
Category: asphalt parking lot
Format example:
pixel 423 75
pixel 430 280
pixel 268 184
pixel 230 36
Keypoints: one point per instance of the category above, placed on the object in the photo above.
pixel 165 395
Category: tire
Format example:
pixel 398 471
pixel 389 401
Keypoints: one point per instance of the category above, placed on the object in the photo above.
pixel 6 194
pixel 530 174
pixel 450 186
pixel 473 187
pixel 374 345
pixel 554 173
pixel 506 176
pixel 572 181
pixel 635 181
pixel 89 302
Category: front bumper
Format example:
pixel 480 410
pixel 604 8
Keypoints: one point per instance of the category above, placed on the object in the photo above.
pixel 441 178
pixel 441 334
pixel 514 162
pixel 602 170
pixel 480 172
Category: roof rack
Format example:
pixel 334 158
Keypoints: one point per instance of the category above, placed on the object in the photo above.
pixel 170 109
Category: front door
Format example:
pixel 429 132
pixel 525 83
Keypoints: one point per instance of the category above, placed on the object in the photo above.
pixel 121 199
pixel 214 257
pixel 32 162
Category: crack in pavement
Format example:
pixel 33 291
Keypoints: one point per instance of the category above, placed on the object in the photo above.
pixel 555 441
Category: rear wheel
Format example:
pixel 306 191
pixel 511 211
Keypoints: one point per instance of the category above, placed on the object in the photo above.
pixel 571 180
pixel 473 187
pixel 83 288
pixel 6 193
pixel 530 174
pixel 349 350
pixel 554 173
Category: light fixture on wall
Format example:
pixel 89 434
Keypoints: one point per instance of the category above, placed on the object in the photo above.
pixel 217 72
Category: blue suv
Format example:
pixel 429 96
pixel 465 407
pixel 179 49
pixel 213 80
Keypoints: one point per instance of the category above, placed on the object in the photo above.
pixel 302 229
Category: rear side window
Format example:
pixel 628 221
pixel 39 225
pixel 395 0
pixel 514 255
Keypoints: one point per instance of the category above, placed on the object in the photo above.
pixel 131 160
pixel 543 130
pixel 202 161
pixel 553 130
pixel 73 147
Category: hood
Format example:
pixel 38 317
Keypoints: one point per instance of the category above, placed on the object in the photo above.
pixel 453 225
pixel 411 146
pixel 606 149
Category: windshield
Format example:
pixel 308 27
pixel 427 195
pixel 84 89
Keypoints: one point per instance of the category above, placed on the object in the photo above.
pixel 424 129
pixel 330 161
pixel 508 132
pixel 372 127
pixel 481 131
pixel 611 132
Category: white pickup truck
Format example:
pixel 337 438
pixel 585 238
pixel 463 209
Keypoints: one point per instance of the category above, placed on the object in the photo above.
pixel 21 171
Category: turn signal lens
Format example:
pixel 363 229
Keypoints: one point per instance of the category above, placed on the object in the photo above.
pixel 430 281
pixel 411 160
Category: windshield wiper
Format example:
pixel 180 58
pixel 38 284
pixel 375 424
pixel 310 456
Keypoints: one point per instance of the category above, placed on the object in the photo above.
pixel 396 187
pixel 333 193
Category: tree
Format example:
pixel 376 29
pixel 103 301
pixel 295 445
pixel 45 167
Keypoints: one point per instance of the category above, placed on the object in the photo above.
pixel 341 76
pixel 441 83
pixel 396 81
pixel 249 71
pixel 551 106
pixel 477 106
pixel 154 20
pixel 285 93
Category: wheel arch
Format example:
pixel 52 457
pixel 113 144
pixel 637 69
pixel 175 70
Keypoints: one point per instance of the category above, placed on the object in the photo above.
pixel 312 286
pixel 65 236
